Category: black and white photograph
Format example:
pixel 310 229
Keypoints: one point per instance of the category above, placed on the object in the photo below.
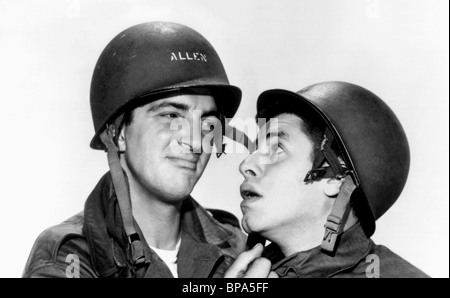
pixel 224 139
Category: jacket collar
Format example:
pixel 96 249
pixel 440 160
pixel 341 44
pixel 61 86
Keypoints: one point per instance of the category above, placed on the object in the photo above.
pixel 107 239
pixel 201 226
pixel 314 263
pixel 103 236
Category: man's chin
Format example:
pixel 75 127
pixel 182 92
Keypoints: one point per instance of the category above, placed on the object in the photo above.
pixel 179 185
pixel 179 192
pixel 246 225
pixel 186 177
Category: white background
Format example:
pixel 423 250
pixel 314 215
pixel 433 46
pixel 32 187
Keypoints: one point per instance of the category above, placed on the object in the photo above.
pixel 398 49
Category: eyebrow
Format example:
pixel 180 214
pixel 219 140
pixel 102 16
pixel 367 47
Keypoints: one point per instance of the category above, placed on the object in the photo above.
pixel 280 134
pixel 167 104
pixel 212 113
pixel 181 107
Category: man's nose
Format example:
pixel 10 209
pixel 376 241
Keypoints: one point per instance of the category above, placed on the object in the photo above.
pixel 196 137
pixel 191 137
pixel 192 146
pixel 250 168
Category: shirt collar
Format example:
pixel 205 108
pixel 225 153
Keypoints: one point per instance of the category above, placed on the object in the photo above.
pixel 314 263
pixel 200 226
pixel 201 242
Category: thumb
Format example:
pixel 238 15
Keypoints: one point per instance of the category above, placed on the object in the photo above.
pixel 240 265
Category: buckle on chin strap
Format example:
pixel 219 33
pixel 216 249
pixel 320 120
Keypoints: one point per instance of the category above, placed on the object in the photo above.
pixel 332 231
pixel 136 249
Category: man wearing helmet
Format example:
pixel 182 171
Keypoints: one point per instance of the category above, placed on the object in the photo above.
pixel 335 154
pixel 157 91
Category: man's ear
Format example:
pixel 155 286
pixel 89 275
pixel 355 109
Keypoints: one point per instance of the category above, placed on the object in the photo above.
pixel 331 187
pixel 121 140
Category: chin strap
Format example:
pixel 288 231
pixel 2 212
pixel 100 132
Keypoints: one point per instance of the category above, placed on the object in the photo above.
pixel 233 134
pixel 136 247
pixel 334 226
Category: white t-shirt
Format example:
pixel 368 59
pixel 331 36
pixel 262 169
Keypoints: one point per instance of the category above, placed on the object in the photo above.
pixel 169 257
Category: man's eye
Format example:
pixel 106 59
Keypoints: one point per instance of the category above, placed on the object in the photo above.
pixel 171 115
pixel 208 126
pixel 280 149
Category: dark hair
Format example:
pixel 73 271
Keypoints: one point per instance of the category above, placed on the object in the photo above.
pixel 314 126
pixel 128 114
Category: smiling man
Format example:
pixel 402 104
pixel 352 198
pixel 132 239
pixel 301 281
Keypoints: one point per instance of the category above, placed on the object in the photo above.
pixel 332 156
pixel 154 115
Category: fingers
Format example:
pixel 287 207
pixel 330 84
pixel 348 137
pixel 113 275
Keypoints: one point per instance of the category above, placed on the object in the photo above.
pixel 273 274
pixel 260 268
pixel 242 262
pixel 250 264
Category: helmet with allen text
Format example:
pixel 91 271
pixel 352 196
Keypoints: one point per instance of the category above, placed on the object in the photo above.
pixel 149 60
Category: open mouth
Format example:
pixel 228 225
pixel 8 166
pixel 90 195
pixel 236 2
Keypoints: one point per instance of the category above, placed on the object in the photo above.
pixel 248 193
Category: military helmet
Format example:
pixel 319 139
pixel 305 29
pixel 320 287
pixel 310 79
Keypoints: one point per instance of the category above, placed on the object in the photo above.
pixel 369 135
pixel 146 61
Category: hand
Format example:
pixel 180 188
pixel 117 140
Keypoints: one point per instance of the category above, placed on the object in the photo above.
pixel 250 264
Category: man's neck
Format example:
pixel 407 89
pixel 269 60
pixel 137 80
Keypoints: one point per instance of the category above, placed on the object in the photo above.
pixel 159 221
pixel 306 236
pixel 297 239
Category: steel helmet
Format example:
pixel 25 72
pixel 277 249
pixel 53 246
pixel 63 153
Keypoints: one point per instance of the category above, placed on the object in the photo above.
pixel 369 135
pixel 148 59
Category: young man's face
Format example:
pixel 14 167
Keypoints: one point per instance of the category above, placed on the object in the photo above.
pixel 275 196
pixel 164 153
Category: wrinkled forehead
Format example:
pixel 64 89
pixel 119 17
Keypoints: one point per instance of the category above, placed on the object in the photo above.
pixel 186 102
pixel 190 101
pixel 191 97
pixel 287 127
